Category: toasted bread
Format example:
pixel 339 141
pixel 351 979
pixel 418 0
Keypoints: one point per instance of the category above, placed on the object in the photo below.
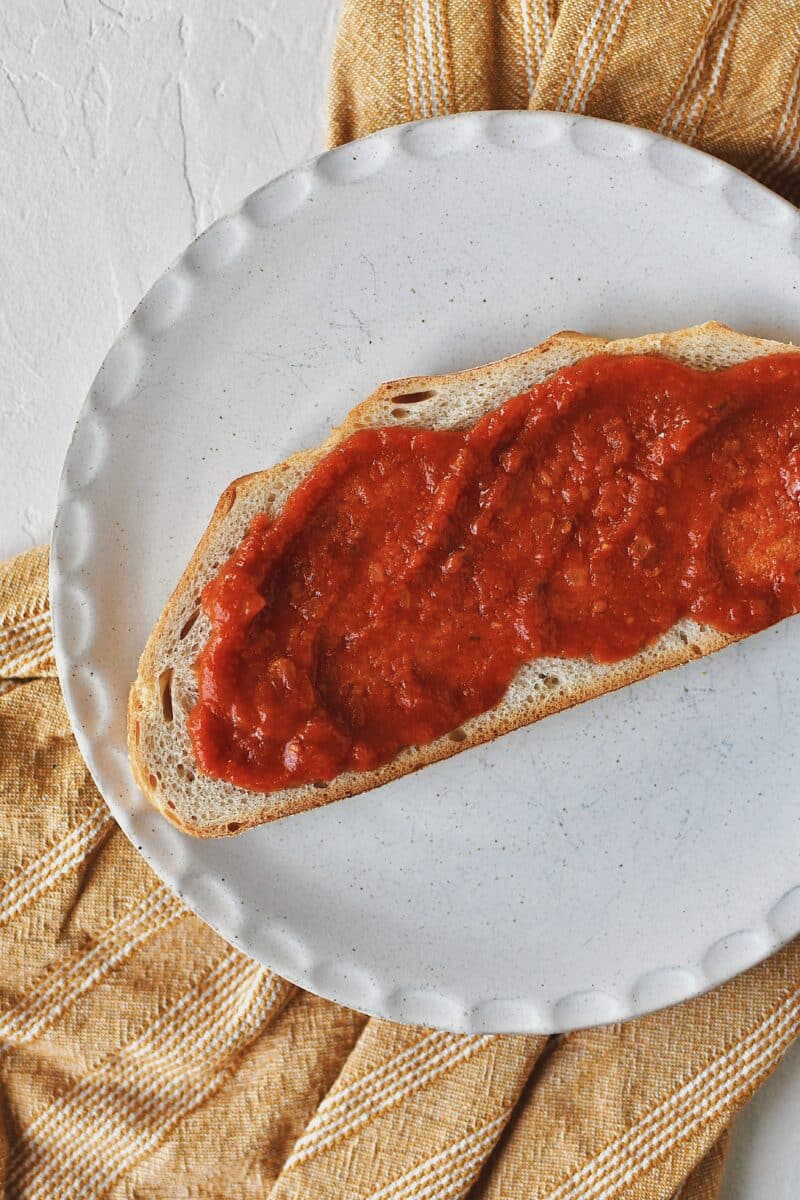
pixel 165 689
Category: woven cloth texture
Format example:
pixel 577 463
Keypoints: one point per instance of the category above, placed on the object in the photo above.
pixel 722 75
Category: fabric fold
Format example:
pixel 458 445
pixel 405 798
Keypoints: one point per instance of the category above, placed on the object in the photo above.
pixel 723 76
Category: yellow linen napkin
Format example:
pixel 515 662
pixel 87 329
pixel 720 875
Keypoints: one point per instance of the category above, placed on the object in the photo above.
pixel 140 1057
pixel 722 75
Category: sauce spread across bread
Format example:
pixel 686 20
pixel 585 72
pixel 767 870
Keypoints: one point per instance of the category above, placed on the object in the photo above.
pixel 413 571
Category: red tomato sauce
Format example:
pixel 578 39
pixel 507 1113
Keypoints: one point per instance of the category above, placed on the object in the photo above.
pixel 412 572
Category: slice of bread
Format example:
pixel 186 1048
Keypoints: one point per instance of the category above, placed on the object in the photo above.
pixel 165 690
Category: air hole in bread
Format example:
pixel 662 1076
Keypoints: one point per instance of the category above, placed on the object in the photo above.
pixel 234 826
pixel 151 779
pixel 549 681
pixel 271 497
pixel 188 623
pixel 695 649
pixel 165 693
pixel 413 397
pixel 320 783
pixel 230 499
pixel 457 735
pixel 137 732
pixel 684 638
pixel 399 412
pixel 171 804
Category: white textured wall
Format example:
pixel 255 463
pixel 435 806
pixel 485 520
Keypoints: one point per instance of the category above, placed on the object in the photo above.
pixel 126 127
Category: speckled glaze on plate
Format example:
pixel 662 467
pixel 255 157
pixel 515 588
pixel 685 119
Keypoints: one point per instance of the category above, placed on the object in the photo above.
pixel 606 862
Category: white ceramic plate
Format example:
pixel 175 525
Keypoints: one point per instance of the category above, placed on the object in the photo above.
pixel 603 863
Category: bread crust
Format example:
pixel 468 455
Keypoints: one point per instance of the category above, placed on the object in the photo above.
pixel 158 744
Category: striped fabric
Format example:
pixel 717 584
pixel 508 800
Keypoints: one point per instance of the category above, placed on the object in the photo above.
pixel 140 1056
pixel 70 977
pixel 428 70
pixel 346 1109
pixel 123 1108
pixel 723 75
pixel 50 863
pixel 697 89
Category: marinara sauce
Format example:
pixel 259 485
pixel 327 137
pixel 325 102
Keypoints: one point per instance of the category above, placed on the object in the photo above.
pixel 413 571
